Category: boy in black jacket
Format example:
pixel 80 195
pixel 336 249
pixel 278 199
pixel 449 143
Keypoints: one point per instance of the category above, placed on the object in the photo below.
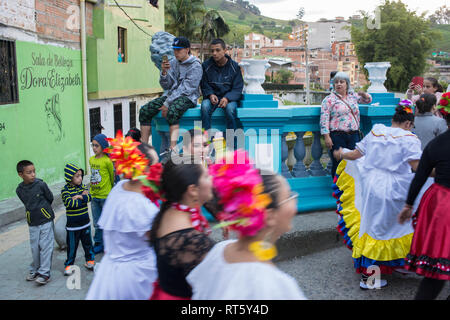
pixel 221 85
pixel 75 197
pixel 37 199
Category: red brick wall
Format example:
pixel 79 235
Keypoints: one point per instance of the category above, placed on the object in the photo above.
pixel 52 18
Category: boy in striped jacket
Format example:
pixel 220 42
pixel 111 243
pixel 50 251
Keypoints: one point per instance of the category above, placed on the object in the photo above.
pixel 75 197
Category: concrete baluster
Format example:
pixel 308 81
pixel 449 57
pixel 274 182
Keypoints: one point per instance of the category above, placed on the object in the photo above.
pixel 284 155
pixel 299 169
pixel 316 167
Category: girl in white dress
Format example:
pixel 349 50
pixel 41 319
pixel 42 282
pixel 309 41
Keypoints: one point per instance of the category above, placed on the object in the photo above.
pixel 372 185
pixel 261 211
pixel 128 268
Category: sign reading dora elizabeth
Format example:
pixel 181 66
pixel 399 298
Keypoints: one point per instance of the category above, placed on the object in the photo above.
pixel 50 88
pixel 53 71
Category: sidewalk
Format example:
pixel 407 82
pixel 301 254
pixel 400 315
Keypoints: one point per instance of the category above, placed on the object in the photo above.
pixel 310 233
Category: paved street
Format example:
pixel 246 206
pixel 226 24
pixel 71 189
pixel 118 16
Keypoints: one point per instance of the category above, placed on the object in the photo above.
pixel 324 275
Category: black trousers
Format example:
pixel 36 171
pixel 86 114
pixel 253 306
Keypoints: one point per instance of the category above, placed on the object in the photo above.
pixel 72 239
pixel 429 289
pixel 344 140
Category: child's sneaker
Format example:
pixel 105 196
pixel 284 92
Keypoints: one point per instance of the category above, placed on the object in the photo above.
pixel 32 276
pixel 41 279
pixel 90 265
pixel 68 271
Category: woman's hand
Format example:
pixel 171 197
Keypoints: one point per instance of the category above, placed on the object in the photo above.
pixel 328 141
pixel 405 214
pixel 338 154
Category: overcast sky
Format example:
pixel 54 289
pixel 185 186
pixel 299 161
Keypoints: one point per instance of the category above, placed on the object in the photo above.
pixel 329 9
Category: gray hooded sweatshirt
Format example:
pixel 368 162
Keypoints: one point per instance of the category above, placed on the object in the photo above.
pixel 37 199
pixel 182 79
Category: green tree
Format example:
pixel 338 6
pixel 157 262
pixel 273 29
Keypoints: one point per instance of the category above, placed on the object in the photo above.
pixel 403 38
pixel 213 26
pixel 183 17
pixel 283 76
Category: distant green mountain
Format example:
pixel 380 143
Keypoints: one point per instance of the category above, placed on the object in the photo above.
pixel 243 21
pixel 442 44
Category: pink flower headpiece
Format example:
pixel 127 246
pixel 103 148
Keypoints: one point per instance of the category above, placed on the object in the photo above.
pixel 240 189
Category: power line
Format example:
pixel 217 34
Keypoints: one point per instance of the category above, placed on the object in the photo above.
pixel 132 20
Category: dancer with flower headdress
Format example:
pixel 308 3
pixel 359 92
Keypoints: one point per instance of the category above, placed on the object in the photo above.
pixel 430 250
pixel 180 232
pixel 260 209
pixel 128 268
pixel 371 185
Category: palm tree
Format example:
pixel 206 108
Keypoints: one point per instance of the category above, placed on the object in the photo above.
pixel 213 26
pixel 183 16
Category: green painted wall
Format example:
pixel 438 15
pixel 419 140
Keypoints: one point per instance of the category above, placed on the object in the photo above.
pixel 108 78
pixel 46 126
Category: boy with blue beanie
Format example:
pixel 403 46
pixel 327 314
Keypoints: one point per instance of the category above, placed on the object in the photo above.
pixel 75 197
pixel 102 181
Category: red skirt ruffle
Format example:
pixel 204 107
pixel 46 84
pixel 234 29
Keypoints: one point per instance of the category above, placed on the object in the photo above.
pixel 160 294
pixel 430 249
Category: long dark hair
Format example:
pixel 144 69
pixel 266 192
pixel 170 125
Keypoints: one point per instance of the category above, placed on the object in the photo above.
pixel 401 115
pixel 426 102
pixel 176 178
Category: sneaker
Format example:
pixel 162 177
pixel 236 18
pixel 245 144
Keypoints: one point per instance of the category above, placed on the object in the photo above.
pixel 32 276
pixel 90 265
pixel 364 286
pixel 68 271
pixel 41 279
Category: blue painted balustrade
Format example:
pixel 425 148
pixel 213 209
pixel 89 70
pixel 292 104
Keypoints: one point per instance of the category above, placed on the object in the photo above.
pixel 266 123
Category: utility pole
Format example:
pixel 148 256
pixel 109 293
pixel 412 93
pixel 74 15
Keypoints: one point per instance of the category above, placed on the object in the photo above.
pixel 305 38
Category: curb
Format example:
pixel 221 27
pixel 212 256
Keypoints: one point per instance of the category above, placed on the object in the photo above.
pixel 13 210
pixel 311 232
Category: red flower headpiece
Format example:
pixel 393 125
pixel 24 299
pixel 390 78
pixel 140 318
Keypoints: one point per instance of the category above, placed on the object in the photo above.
pixel 406 105
pixel 444 104
pixel 133 164
pixel 152 183
pixel 240 189
pixel 128 159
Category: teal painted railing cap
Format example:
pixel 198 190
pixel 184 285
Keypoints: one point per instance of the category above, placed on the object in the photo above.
pixel 252 97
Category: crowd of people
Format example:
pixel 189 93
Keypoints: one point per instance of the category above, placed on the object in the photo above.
pixel 148 216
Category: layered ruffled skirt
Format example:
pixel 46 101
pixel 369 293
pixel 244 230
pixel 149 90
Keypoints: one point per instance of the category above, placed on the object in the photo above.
pixel 430 250
pixel 369 202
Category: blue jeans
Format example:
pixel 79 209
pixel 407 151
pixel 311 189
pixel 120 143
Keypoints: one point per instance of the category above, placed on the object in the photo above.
pixel 208 109
pixel 344 140
pixel 97 207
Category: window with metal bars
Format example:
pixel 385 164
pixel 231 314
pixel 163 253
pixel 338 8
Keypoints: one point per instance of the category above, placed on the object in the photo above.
pixel 117 118
pixel 8 73
pixel 132 114
pixel 95 122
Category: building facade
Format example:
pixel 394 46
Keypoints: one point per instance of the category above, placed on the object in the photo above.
pixel 323 33
pixel 41 107
pixel 121 75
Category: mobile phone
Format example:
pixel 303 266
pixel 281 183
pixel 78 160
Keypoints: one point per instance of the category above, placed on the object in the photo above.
pixel 165 58
pixel 417 81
